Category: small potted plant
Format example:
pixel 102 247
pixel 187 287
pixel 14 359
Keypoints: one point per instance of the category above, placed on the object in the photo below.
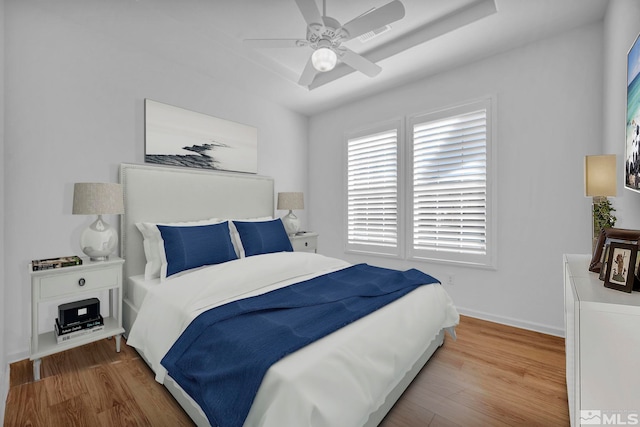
pixel 602 217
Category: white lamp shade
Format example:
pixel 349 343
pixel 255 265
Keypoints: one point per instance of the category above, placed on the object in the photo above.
pixel 290 201
pixel 324 59
pixel 97 198
pixel 600 176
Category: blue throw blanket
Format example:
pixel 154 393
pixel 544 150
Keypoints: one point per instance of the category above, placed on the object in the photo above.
pixel 221 358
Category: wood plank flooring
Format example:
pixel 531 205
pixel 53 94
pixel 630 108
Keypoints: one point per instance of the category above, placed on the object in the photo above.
pixel 493 375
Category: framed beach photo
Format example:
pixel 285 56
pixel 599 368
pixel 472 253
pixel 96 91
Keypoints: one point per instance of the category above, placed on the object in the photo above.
pixel 632 143
pixel 621 264
pixel 178 137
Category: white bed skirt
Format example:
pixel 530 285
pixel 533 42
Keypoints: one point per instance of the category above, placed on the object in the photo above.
pixel 375 418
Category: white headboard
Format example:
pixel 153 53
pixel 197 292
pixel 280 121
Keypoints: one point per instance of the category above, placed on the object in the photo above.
pixel 172 194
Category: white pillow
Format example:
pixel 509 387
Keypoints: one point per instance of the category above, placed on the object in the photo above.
pixel 154 245
pixel 235 236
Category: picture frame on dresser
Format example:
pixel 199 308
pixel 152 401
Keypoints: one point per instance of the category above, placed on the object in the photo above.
pixel 605 258
pixel 620 268
pixel 636 286
pixel 608 236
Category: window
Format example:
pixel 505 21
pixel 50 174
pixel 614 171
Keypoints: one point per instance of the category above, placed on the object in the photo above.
pixel 372 191
pixel 450 209
pixel 448 186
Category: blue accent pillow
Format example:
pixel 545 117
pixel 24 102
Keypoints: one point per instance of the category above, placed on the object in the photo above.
pixel 191 247
pixel 263 237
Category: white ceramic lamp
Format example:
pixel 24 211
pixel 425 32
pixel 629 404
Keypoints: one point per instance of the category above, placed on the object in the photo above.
pixel 290 201
pixel 99 240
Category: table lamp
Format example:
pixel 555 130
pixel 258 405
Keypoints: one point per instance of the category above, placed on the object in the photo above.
pixel 290 201
pixel 600 182
pixel 99 240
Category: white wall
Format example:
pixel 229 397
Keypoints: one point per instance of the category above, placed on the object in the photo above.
pixel 620 31
pixel 4 380
pixel 75 112
pixel 549 115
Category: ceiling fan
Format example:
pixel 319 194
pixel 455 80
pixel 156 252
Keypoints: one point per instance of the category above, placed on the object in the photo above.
pixel 325 36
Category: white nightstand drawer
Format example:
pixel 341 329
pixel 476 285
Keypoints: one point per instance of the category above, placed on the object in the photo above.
pixel 65 284
pixel 307 242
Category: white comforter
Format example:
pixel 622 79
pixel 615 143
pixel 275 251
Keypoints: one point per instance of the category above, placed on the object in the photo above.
pixel 338 380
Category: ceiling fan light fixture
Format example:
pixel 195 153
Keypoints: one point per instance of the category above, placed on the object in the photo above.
pixel 324 59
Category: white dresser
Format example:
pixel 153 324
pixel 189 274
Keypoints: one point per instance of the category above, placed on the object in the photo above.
pixel 602 330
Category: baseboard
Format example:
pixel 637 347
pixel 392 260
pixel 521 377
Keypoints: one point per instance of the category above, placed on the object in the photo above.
pixel 517 323
pixel 16 357
pixel 4 382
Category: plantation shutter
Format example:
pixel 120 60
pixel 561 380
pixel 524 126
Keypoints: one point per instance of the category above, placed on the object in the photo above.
pixel 372 192
pixel 450 184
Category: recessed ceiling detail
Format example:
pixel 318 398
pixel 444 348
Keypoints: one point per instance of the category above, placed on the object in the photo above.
pixel 205 37
pixel 414 22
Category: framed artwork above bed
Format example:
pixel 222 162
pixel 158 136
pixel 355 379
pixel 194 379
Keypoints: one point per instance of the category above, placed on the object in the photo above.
pixel 178 137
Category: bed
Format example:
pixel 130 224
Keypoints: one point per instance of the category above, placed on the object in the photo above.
pixel 350 377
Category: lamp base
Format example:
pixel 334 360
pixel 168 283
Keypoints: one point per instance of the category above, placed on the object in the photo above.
pixel 291 223
pixel 99 240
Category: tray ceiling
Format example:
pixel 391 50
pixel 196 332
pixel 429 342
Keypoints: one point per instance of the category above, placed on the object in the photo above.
pixel 434 35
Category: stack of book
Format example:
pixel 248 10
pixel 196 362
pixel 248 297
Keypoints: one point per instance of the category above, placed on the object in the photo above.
pixel 49 263
pixel 74 330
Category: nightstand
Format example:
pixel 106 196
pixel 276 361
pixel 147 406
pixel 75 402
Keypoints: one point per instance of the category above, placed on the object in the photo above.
pixel 68 284
pixel 307 242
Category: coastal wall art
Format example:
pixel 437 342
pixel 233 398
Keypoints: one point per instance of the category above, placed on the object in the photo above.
pixel 178 137
pixel 632 147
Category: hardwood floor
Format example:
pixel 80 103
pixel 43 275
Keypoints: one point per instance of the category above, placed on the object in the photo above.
pixel 90 386
pixel 493 375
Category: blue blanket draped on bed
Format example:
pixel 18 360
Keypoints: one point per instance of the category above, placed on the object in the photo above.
pixel 221 358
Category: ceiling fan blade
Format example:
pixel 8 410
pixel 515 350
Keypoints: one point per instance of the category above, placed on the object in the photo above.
pixel 375 19
pixel 309 73
pixel 310 12
pixel 274 43
pixel 359 63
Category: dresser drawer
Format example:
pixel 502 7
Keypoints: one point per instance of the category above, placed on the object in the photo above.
pixel 65 284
